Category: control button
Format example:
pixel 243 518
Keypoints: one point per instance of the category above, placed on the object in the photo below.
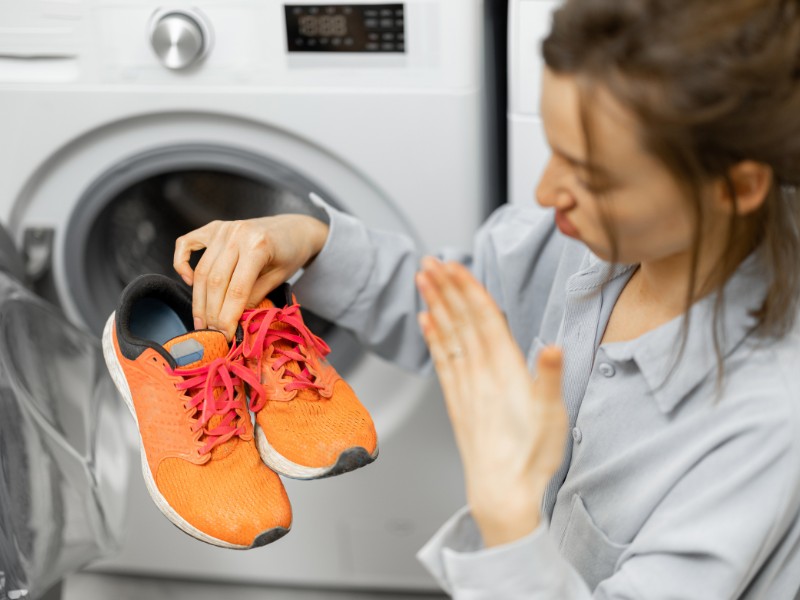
pixel 606 370
pixel 371 12
pixel 387 23
pixel 299 42
pixel 297 10
pixel 370 23
pixel 313 10
pixel 398 13
pixel 312 43
pixel 399 23
pixel 386 12
pixel 348 10
pixel 348 41
pixel 331 10
pixel 373 37
pixel 577 435
pixel 388 37
pixel 336 42
pixel 401 47
pixel 401 37
pixel 372 46
pixel 179 39
pixel 324 41
pixel 387 47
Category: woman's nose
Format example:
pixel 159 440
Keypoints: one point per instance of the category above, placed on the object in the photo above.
pixel 550 191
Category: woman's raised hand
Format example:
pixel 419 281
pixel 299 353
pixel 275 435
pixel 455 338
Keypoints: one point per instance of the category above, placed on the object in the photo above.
pixel 243 261
pixel 510 427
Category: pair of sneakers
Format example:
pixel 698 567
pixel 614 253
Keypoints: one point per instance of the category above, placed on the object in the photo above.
pixel 210 467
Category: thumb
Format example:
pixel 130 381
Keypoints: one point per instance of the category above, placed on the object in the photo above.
pixel 548 374
pixel 263 286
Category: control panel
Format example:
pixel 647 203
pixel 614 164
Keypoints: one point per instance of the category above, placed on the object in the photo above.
pixel 363 28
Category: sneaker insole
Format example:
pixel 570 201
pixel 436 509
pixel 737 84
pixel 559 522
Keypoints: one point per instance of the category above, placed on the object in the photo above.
pixel 154 320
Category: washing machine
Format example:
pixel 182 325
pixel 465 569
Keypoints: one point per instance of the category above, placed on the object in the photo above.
pixel 528 24
pixel 126 123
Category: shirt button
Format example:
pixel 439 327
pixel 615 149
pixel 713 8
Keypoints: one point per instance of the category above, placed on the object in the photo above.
pixel 577 435
pixel 606 370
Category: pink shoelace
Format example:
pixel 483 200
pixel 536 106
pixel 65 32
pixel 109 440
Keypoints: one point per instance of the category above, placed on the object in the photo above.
pixel 200 382
pixel 260 335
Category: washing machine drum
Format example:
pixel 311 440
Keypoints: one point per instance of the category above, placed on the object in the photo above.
pixel 128 221
pixel 136 231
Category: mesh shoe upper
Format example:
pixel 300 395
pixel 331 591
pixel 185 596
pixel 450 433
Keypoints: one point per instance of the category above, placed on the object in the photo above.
pixel 311 415
pixel 187 394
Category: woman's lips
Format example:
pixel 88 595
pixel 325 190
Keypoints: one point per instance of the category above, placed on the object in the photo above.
pixel 564 225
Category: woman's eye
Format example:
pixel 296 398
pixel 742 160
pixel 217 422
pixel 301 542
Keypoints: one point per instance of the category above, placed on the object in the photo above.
pixel 593 187
pixel 585 184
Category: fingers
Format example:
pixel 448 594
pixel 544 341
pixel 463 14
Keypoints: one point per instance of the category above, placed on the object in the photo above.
pixel 550 416
pixel 463 315
pixel 481 307
pixel 549 367
pixel 202 274
pixel 186 244
pixel 439 351
pixel 439 333
pixel 224 280
pixel 479 322
pixel 447 311
pixel 227 288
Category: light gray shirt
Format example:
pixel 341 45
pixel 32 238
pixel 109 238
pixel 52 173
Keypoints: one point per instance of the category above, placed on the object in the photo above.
pixel 670 487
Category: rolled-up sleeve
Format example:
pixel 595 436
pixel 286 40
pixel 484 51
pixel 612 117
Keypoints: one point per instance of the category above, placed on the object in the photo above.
pixel 530 567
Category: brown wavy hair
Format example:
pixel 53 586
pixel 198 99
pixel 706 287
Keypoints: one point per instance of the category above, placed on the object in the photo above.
pixel 712 83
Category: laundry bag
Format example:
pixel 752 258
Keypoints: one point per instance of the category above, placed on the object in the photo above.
pixel 65 454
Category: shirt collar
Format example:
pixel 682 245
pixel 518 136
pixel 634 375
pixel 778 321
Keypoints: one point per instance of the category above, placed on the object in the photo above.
pixel 595 272
pixel 655 352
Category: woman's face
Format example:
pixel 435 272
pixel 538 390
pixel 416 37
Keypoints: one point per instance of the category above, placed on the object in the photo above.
pixel 650 217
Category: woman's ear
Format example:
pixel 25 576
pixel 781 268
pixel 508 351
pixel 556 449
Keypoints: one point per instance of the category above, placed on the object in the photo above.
pixel 751 181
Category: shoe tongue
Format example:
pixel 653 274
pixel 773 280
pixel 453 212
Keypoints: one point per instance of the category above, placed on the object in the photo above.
pixel 197 348
pixel 292 365
pixel 265 303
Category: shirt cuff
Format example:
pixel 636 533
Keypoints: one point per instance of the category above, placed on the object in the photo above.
pixel 334 279
pixel 461 564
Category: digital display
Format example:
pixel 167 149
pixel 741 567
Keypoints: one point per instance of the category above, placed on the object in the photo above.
pixel 367 28
pixel 322 25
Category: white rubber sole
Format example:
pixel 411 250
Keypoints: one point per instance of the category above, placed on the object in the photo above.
pixel 349 460
pixel 117 374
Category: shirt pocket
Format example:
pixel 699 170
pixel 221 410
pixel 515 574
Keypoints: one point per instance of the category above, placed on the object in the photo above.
pixel 587 547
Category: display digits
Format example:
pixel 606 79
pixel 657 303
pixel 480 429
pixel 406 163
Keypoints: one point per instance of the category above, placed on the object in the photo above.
pixel 334 26
pixel 322 25
pixel 309 25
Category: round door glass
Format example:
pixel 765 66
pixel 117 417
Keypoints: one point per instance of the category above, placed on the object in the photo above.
pixel 129 220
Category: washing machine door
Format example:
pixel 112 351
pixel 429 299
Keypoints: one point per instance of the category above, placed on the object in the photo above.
pixel 127 221
pixel 110 205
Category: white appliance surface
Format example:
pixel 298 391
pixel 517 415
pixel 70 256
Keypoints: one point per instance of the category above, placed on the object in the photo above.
pixel 96 586
pixel 528 25
pixel 395 138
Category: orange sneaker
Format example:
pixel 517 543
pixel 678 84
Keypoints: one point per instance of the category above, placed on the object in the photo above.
pixel 186 392
pixel 311 425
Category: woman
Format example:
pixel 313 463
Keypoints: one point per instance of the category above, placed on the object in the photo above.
pixel 666 273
